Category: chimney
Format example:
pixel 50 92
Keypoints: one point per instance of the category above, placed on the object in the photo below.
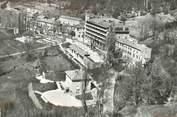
pixel 86 16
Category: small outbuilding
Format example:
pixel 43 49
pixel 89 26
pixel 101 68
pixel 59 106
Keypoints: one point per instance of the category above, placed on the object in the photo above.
pixel 74 80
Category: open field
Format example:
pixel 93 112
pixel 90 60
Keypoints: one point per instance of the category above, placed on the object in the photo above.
pixel 8 45
pixel 11 46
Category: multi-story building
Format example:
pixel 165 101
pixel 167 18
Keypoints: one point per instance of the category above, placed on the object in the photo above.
pixel 43 25
pixel 47 25
pixel 83 55
pixel 132 50
pixel 122 31
pixel 74 80
pixel 97 30
pixel 71 21
pixel 79 32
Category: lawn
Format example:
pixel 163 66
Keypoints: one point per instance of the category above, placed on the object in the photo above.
pixel 9 45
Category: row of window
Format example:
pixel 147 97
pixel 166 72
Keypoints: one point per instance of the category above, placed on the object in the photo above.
pixel 99 44
pixel 129 53
pixel 94 37
pixel 69 22
pixel 78 55
pixel 129 48
pixel 80 36
pixel 92 27
pixel 78 29
pixel 131 56
pixel 97 25
pixel 99 34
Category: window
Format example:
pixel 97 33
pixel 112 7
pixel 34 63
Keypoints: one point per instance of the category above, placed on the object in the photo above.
pixel 100 44
pixel 133 55
pixel 81 57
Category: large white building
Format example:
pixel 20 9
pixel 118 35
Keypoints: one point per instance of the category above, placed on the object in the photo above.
pixel 97 30
pixel 71 21
pixel 132 50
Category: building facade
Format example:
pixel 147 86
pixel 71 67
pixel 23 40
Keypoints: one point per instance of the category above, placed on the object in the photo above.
pixel 71 21
pixel 83 55
pixel 74 81
pixel 79 32
pixel 97 30
pixel 43 25
pixel 132 50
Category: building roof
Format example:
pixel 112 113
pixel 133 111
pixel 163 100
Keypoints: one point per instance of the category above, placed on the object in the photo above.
pixel 94 56
pixel 132 43
pixel 122 30
pixel 106 21
pixel 127 42
pixel 78 50
pixel 76 75
pixel 42 18
pixel 81 25
pixel 70 18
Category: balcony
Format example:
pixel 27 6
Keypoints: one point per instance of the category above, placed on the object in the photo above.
pixel 95 37
pixel 96 31
pixel 96 26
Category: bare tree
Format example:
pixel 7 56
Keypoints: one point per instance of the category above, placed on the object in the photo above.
pixel 29 51
pixel 85 75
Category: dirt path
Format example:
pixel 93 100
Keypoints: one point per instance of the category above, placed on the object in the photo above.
pixel 19 53
pixel 108 106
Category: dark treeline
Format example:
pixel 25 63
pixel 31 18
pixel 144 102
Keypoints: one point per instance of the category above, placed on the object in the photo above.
pixel 101 4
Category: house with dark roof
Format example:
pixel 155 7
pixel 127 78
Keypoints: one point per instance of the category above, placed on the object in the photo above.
pixel 74 81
